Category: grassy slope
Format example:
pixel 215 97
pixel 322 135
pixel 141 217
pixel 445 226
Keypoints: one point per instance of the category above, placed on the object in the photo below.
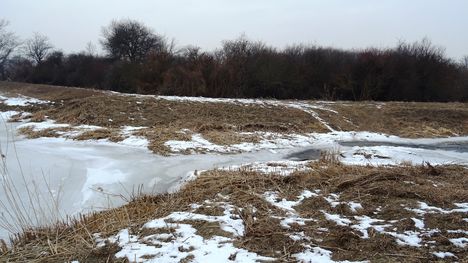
pixel 380 190
pixel 214 120
pixel 371 186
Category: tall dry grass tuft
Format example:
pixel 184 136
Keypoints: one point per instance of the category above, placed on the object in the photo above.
pixel 25 204
pixel 330 157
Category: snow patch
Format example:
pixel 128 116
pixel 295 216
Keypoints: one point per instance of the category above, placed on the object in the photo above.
pixel 424 208
pixel 269 141
pixel 182 241
pixel 21 101
pixel 337 219
pixel 284 168
pixel 354 206
pixel 135 141
pixel 283 204
pixel 443 254
pixel 408 238
pixel 39 126
pixel 272 198
pixel 6 115
pixel 459 242
pixel 418 223
pixel 317 254
pixel 366 222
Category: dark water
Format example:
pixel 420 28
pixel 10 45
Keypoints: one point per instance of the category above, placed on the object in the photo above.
pixel 309 154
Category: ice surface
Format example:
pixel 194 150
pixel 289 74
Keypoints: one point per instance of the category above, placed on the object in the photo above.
pixel 93 175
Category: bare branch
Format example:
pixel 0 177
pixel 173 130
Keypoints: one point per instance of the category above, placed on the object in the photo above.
pixel 38 47
pixel 8 43
pixel 130 40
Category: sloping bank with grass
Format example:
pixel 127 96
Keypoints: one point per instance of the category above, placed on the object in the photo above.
pixel 288 210
pixel 323 212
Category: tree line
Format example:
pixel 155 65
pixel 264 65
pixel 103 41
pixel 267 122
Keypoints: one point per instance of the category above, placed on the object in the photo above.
pixel 137 60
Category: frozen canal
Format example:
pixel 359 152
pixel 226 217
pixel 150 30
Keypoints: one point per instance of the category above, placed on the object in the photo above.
pixel 53 177
pixel 45 179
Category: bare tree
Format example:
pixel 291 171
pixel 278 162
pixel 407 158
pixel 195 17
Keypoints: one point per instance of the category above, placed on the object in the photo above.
pixel 464 62
pixel 130 40
pixel 91 49
pixel 8 43
pixel 37 47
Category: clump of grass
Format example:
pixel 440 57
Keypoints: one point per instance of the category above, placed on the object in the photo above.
pixel 230 137
pixel 38 117
pixel 16 118
pixel 331 157
pixel 31 133
pixel 157 136
pixel 98 134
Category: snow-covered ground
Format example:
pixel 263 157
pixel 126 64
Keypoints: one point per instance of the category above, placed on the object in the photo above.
pixel 53 177
pixel 86 175
pixel 184 240
pixel 21 101
pixel 361 148
pixel 177 239
pixel 382 154
pixel 384 149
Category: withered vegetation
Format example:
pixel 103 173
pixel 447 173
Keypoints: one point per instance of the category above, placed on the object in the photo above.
pixel 229 123
pixel 383 192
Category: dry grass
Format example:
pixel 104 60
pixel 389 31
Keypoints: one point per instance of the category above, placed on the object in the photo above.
pixel 30 133
pixel 16 118
pixel 410 120
pixel 46 92
pixel 373 187
pixel 111 134
pixel 29 108
pixel 85 106
pixel 38 117
pixel 157 136
pixel 166 119
pixel 230 137
pixel 387 188
pixel 229 123
pixel 116 111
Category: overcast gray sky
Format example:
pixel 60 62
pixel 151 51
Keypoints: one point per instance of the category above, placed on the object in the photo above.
pixel 205 23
